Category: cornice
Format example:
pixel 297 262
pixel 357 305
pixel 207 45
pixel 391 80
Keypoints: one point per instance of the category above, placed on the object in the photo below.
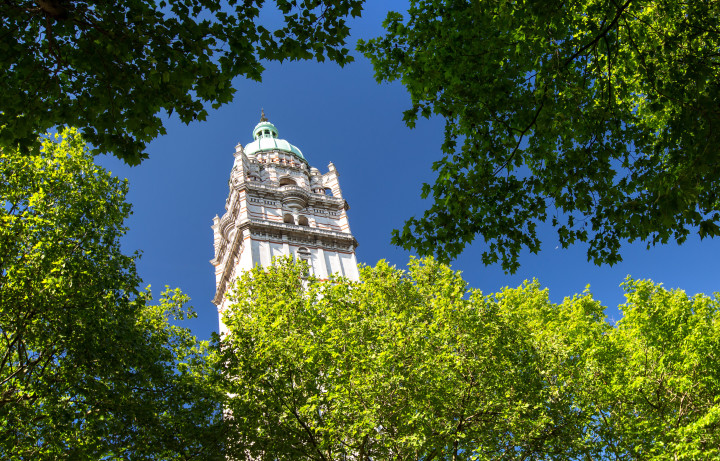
pixel 324 235
pixel 278 192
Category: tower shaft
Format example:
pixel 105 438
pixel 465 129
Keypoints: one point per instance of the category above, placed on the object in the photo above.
pixel 279 206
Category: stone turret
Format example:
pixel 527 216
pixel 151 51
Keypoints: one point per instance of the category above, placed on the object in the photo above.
pixel 278 205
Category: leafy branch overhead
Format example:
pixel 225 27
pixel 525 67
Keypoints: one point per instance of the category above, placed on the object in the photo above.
pixel 112 69
pixel 600 117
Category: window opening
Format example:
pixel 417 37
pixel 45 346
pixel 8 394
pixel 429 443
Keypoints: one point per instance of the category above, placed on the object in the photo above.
pixel 303 254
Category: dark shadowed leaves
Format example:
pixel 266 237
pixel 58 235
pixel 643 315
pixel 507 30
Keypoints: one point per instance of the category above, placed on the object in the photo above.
pixel 113 69
pixel 602 116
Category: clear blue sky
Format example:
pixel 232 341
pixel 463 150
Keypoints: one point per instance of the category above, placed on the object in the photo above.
pixel 343 116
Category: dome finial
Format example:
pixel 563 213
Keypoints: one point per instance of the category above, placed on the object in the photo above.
pixel 262 116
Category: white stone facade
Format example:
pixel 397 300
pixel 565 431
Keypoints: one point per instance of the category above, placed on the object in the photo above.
pixel 279 206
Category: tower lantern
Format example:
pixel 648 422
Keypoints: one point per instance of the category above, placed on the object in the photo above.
pixel 280 206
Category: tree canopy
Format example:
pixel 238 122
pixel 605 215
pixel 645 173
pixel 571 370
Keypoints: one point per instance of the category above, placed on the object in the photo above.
pixel 113 69
pixel 90 368
pixel 415 365
pixel 601 117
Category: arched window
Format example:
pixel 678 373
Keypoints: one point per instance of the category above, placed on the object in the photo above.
pixel 303 254
pixel 328 191
pixel 288 218
pixel 303 221
pixel 287 182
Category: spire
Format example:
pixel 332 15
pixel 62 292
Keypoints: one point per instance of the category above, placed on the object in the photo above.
pixel 262 116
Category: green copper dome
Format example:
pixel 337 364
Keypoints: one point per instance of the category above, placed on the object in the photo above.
pixel 265 137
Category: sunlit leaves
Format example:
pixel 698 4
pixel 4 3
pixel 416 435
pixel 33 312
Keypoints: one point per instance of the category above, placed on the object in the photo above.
pixel 89 367
pixel 415 365
pixel 660 376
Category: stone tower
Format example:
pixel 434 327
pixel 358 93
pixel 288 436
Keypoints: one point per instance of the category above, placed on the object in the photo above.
pixel 280 206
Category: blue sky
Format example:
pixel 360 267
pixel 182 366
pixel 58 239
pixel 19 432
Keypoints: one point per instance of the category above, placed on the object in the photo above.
pixel 344 116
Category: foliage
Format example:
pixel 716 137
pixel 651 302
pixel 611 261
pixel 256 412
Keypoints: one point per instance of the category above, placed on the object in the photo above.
pixel 400 366
pixel 89 368
pixel 114 68
pixel 659 396
pixel 413 365
pixel 602 117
